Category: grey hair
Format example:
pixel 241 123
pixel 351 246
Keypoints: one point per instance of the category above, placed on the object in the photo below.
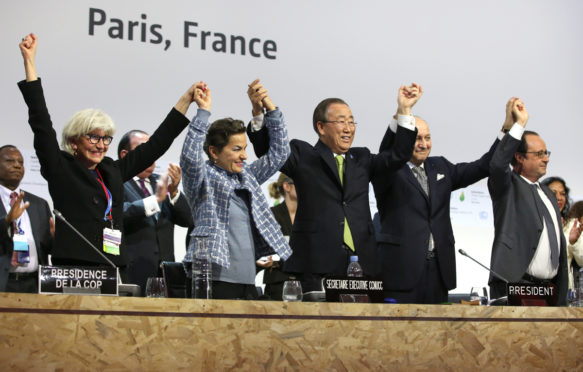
pixel 83 122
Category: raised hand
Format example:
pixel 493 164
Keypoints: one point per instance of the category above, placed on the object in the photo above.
pixel 28 49
pixel 17 209
pixel 162 188
pixel 509 119
pixel 408 97
pixel 259 98
pixel 519 113
pixel 575 232
pixel 174 172
pixel 199 93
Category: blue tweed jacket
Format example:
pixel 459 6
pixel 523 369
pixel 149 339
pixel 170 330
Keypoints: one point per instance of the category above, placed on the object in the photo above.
pixel 209 188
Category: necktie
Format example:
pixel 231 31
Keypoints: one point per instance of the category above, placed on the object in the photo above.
pixel 347 234
pixel 13 197
pixel 15 229
pixel 144 188
pixel 422 178
pixel 551 231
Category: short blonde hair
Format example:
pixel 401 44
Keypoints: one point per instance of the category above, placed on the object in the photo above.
pixel 83 122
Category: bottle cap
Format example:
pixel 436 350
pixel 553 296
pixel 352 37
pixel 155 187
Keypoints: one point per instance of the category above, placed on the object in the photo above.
pixel 353 258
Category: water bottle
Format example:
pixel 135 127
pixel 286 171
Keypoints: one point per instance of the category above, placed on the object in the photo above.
pixel 354 269
pixel 202 273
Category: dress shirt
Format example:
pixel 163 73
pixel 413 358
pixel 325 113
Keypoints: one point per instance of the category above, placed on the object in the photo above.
pixel 151 206
pixel 24 223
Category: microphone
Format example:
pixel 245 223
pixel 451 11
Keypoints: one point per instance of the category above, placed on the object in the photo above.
pixel 62 218
pixel 485 267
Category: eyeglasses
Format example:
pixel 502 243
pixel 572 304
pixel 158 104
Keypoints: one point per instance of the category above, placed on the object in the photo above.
pixel 351 123
pixel 539 154
pixel 94 139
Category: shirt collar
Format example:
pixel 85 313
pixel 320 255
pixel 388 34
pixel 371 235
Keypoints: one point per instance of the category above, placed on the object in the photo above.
pixel 411 165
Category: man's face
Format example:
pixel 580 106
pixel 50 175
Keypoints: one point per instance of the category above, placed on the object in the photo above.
pixel 11 167
pixel 533 164
pixel 422 143
pixel 135 140
pixel 338 130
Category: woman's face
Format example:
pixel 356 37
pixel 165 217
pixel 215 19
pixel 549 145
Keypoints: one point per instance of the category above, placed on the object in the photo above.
pixel 90 153
pixel 233 155
pixel 560 193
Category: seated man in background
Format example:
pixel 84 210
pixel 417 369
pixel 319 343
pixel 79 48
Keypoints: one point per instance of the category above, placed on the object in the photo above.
pixel 32 231
pixel 152 206
pixel 331 178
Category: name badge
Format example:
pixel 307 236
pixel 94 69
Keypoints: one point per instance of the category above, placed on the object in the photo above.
pixel 21 247
pixel 111 241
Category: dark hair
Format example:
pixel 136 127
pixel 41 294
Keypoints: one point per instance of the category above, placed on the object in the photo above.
pixel 523 146
pixel 7 147
pixel 220 132
pixel 576 210
pixel 124 142
pixel 547 181
pixel 320 111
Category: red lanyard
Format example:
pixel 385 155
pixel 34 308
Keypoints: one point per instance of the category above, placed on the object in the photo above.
pixel 107 196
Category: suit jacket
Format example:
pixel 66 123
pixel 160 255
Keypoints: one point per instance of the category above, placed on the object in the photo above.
pixel 517 222
pixel 75 191
pixel 150 240
pixel 39 214
pixel 323 202
pixel 408 216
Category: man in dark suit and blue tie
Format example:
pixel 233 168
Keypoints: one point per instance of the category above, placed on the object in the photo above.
pixel 529 245
pixel 416 242
pixel 152 206
pixel 29 241
pixel 332 179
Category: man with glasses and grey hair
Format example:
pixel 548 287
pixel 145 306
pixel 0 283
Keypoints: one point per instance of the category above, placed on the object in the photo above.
pixel 529 245
pixel 332 178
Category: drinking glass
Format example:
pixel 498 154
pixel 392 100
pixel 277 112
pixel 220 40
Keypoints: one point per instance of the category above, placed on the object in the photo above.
pixel 155 287
pixel 292 291
pixel 479 293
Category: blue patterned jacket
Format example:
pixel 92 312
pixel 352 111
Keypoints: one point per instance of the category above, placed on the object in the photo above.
pixel 209 188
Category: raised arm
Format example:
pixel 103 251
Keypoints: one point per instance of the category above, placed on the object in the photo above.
pixel 278 150
pixel 192 156
pixel 407 97
pixel 28 50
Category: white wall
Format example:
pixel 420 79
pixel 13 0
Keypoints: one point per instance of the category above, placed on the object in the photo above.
pixel 469 56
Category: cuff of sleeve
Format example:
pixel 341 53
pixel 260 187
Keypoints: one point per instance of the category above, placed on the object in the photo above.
pixel 151 206
pixel 257 123
pixel 175 198
pixel 516 131
pixel 393 125
pixel 203 114
pixel 406 121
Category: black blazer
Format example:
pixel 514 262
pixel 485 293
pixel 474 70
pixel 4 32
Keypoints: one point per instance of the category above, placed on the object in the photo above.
pixel 75 191
pixel 317 235
pixel 518 223
pixel 39 214
pixel 408 215
pixel 152 236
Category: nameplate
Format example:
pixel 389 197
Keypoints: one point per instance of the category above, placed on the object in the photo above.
pixel 523 294
pixel 100 281
pixel 345 289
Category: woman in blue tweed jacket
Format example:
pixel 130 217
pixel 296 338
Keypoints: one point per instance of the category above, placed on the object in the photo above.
pixel 225 193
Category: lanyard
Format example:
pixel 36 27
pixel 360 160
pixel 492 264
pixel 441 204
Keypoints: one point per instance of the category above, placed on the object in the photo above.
pixel 107 196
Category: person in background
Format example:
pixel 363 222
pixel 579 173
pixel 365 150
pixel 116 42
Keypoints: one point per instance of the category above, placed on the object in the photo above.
pixel 572 229
pixel 31 227
pixel 559 187
pixel 528 244
pixel 152 206
pixel 225 194
pixel 85 185
pixel 285 213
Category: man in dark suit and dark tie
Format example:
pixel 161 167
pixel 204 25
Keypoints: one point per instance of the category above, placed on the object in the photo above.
pixel 416 242
pixel 529 245
pixel 332 179
pixel 152 206
pixel 30 234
